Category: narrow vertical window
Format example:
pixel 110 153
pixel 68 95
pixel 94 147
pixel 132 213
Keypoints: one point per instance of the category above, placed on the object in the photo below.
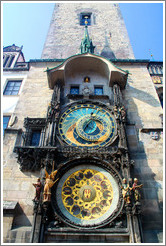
pixel 161 70
pixel 85 19
pixel 157 72
pixel 6 58
pixel 5 122
pixel 11 61
pixel 152 69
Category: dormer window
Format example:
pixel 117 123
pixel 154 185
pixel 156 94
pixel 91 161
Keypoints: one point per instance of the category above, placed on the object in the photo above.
pixel 85 19
pixel 11 61
pixel 8 60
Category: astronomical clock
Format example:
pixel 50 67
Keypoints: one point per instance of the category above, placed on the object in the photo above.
pixel 87 194
pixel 87 125
pixel 87 190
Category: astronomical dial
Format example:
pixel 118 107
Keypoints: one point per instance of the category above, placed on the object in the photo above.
pixel 87 125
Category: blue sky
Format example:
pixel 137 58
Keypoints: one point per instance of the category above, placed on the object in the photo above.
pixel 27 24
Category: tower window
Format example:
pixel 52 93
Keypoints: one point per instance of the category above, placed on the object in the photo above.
pixel 74 90
pixel 85 17
pixel 12 87
pixel 5 122
pixel 98 90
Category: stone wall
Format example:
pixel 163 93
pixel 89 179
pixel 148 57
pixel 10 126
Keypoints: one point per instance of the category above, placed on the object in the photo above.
pixel 140 97
pixel 65 33
pixel 9 101
pixel 17 187
pixel 35 95
pixel 143 114
pixel 143 110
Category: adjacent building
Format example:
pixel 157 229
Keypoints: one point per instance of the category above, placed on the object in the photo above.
pixel 15 71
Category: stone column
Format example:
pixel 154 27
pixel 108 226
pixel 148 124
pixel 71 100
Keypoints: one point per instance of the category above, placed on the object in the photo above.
pixel 53 113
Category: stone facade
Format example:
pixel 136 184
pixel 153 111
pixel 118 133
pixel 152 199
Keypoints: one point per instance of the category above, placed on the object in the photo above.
pixel 143 110
pixel 106 29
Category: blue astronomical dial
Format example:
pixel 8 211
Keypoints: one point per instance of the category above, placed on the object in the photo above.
pixel 87 125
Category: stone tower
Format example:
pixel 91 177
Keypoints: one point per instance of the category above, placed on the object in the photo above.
pixel 105 25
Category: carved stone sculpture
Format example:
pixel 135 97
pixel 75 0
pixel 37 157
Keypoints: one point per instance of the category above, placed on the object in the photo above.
pixel 136 189
pixel 123 113
pixel 38 187
pixel 86 91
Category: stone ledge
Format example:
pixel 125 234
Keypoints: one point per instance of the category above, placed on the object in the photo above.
pixel 158 129
pixel 9 207
pixel 12 130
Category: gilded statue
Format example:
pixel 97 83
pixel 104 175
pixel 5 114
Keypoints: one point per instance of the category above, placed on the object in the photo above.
pixel 126 191
pixel 49 182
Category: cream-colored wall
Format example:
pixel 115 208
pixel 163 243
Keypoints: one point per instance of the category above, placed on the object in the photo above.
pixel 36 95
pixel 98 80
pixel 141 98
pixel 9 102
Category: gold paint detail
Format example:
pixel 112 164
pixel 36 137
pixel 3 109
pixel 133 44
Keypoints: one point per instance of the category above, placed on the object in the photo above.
pixel 77 119
pixel 87 194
